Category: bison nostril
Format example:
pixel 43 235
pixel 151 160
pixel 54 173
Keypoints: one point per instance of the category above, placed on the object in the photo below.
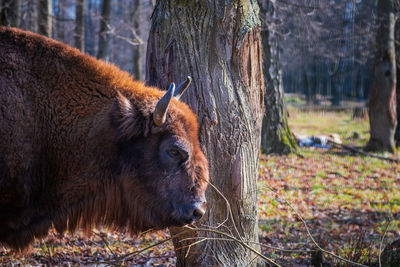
pixel 193 212
pixel 199 210
pixel 198 213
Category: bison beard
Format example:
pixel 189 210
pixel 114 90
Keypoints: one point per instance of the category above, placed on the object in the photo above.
pixel 82 144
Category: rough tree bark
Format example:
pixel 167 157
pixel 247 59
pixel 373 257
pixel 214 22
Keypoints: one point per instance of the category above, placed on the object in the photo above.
pixel 102 53
pixel 217 43
pixel 382 104
pixel 45 10
pixel 10 12
pixel 276 136
pixel 137 49
pixel 80 25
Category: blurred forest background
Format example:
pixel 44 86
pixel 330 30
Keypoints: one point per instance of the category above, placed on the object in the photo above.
pixel 115 31
pixel 321 65
pixel 325 46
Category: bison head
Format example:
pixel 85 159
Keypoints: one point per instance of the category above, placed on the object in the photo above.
pixel 162 171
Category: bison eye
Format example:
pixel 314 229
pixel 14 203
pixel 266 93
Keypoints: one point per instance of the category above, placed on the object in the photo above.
pixel 178 154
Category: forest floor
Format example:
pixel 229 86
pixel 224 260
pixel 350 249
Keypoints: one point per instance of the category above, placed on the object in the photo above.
pixel 348 202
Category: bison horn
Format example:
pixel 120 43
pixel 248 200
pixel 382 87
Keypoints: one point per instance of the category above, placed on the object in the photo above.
pixel 182 88
pixel 160 113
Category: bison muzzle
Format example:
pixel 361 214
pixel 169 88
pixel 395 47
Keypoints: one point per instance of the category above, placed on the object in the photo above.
pixel 82 145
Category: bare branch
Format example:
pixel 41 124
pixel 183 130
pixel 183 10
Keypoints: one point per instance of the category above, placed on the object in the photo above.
pixel 381 244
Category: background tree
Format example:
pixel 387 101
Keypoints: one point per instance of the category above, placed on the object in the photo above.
pixel 382 104
pixel 103 33
pixel 397 133
pixel 59 12
pixel 397 48
pixel 90 29
pixel 218 43
pixel 276 136
pixel 326 48
pixel 45 10
pixel 80 24
pixel 10 12
pixel 137 49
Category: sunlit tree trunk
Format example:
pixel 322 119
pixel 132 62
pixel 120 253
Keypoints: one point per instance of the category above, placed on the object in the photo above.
pixel 103 34
pixel 382 104
pixel 80 24
pixel 276 136
pixel 45 10
pixel 218 43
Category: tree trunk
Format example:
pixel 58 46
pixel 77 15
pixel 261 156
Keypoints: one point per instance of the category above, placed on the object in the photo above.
pixel 397 133
pixel 276 136
pixel 217 43
pixel 103 34
pixel 397 51
pixel 60 21
pixel 80 25
pixel 89 30
pixel 137 49
pixel 29 21
pixel 338 83
pixel 10 12
pixel 45 11
pixel 382 104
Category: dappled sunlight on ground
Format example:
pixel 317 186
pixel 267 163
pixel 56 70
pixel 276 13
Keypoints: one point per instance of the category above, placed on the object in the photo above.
pixel 347 199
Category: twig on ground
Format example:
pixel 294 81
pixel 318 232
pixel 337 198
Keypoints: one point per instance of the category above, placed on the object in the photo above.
pixel 367 154
pixel 338 174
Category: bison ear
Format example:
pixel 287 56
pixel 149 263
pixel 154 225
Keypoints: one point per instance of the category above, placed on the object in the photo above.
pixel 126 119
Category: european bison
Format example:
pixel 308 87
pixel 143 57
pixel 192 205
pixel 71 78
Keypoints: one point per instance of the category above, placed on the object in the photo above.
pixel 82 144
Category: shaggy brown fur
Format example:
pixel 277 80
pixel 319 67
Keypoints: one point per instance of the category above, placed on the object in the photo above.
pixel 79 148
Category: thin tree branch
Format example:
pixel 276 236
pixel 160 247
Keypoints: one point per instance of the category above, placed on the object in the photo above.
pixel 380 245
pixel 355 150
pixel 236 240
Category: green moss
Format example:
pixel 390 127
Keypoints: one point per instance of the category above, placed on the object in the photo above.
pixel 280 141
